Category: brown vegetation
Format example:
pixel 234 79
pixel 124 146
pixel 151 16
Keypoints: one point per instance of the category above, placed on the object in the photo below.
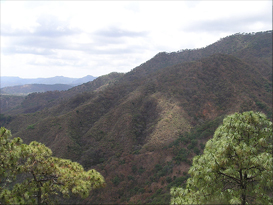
pixel 141 129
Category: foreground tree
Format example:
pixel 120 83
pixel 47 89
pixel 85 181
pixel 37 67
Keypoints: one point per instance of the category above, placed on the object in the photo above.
pixel 9 156
pixel 42 177
pixel 236 166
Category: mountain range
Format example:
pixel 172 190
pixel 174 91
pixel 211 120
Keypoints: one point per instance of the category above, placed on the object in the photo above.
pixel 141 129
pixel 21 86
pixel 32 88
pixel 16 81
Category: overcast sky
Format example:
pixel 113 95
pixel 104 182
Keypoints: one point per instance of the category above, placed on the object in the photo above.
pixel 79 38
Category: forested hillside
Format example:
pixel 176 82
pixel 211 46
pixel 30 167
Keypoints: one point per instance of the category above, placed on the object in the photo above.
pixel 32 88
pixel 141 129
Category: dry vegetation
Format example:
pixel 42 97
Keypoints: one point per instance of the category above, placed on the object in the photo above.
pixel 141 129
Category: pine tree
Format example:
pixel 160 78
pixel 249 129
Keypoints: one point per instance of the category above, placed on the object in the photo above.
pixel 42 176
pixel 236 166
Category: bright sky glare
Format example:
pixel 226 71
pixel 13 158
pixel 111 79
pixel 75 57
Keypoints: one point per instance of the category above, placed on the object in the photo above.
pixel 79 38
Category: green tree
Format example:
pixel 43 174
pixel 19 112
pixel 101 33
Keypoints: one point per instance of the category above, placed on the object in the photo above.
pixel 9 156
pixel 236 166
pixel 41 177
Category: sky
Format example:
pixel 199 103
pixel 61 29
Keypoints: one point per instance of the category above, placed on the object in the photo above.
pixel 79 38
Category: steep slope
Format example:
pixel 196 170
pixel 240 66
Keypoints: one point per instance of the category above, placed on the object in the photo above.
pixel 174 100
pixel 8 102
pixel 142 129
pixel 38 101
pixel 107 129
pixel 252 47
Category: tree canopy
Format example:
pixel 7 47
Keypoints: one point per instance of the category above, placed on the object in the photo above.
pixel 236 165
pixel 29 174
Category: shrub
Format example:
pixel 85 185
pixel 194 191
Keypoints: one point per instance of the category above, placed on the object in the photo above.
pixel 169 179
pixel 141 170
pixel 31 127
pixel 134 169
pixel 131 177
pixel 116 180
pixel 196 150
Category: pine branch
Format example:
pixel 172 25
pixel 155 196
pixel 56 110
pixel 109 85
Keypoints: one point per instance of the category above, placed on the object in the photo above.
pixel 236 180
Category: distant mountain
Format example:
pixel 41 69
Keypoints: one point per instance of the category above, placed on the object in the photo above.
pixel 141 129
pixel 85 79
pixel 15 104
pixel 13 81
pixel 32 88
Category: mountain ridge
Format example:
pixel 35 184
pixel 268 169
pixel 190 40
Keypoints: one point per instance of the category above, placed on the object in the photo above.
pixel 141 129
pixel 32 88
pixel 7 81
pixel 49 98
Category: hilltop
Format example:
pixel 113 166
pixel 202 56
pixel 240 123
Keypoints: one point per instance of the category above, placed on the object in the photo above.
pixel 141 129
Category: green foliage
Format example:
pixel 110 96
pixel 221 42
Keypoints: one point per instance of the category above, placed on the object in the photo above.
pixel 31 127
pixel 42 176
pixel 159 197
pixel 167 169
pixel 158 167
pixel 131 177
pixel 190 139
pixel 5 119
pixel 134 169
pixel 190 146
pixel 141 170
pixel 178 182
pixel 261 105
pixel 136 152
pixel 236 166
pixel 268 86
pixel 196 150
pixel 120 162
pixel 202 146
pixel 141 190
pixel 116 180
pixel 136 189
pixel 169 179
pixel 174 143
pixel 160 171
pixel 182 156
pixel 9 156
pixel 207 129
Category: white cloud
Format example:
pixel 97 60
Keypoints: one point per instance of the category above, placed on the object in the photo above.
pixel 78 38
